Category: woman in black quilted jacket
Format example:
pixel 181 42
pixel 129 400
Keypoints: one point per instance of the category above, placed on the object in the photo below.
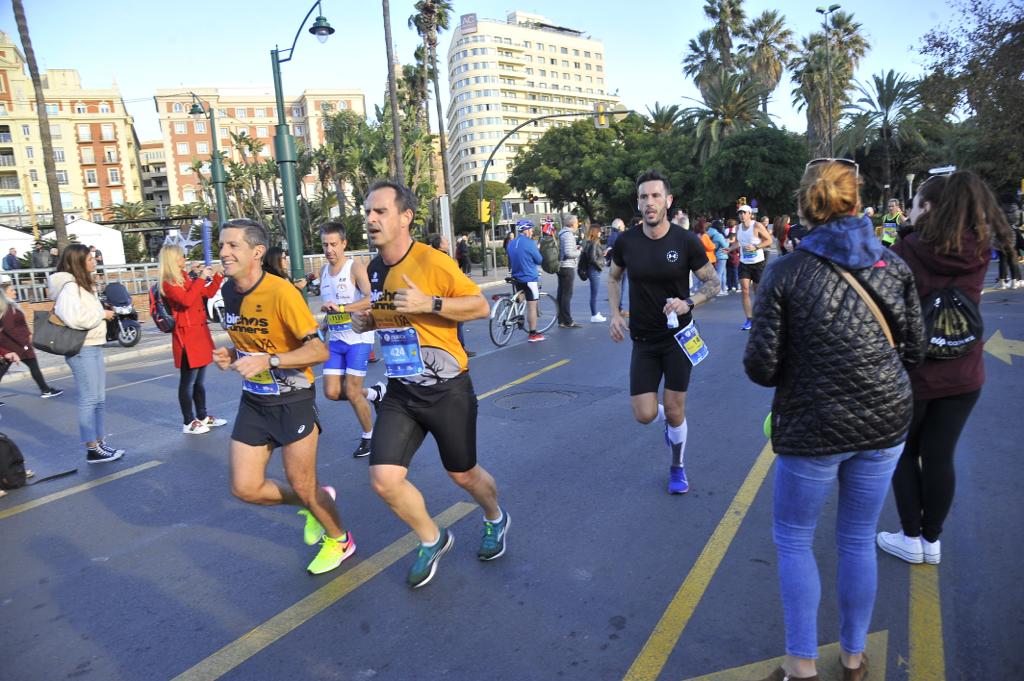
pixel 842 404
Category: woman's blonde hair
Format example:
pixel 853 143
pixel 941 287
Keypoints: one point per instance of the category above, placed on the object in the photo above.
pixel 828 191
pixel 170 267
pixel 594 234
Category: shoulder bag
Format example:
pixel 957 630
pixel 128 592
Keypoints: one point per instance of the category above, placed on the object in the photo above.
pixel 50 334
pixel 868 300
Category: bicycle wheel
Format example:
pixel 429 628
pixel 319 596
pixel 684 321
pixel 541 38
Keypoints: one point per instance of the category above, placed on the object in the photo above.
pixel 547 312
pixel 502 326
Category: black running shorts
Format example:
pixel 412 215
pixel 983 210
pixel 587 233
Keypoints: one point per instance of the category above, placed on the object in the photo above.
pixel 276 425
pixel 752 271
pixel 651 361
pixel 530 288
pixel 408 412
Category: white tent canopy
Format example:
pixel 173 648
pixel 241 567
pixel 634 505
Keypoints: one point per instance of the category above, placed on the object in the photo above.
pixel 12 238
pixel 108 241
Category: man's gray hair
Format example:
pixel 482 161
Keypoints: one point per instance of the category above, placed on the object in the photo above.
pixel 618 224
pixel 253 233
pixel 570 219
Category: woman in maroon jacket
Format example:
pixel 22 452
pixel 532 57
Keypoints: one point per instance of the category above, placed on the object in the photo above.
pixel 190 340
pixel 955 221
pixel 15 337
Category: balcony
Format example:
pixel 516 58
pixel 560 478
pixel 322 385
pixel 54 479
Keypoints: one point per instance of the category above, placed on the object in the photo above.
pixel 9 182
pixel 8 161
pixel 110 158
pixel 5 138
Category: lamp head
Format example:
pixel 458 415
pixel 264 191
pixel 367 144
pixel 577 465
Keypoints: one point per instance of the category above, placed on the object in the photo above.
pixel 820 10
pixel 833 8
pixel 321 29
pixel 196 111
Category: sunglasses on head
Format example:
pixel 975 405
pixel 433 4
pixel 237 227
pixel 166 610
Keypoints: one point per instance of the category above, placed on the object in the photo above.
pixel 843 161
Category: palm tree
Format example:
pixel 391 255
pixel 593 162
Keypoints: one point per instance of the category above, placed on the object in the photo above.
pixel 664 120
pixel 732 105
pixel 393 95
pixel 49 167
pixel 728 17
pixel 430 19
pixel 767 50
pixel 888 112
pixel 701 60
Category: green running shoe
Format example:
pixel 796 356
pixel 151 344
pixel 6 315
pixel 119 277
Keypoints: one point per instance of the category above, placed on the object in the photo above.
pixel 422 571
pixel 333 553
pixel 492 544
pixel 313 530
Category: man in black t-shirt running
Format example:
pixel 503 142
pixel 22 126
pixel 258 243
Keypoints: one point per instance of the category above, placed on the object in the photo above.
pixel 659 258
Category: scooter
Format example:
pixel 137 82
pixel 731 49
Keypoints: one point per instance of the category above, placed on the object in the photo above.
pixel 124 326
pixel 312 284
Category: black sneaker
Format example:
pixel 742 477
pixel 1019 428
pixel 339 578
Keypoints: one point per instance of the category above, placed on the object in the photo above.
pixel 380 389
pixel 98 455
pixel 363 449
pixel 111 450
pixel 51 392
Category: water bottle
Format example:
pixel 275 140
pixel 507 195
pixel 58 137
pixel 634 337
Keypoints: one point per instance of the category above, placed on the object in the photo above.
pixel 673 318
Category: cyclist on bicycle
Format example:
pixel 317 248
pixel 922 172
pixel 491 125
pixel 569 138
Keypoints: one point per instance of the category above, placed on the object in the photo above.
pixel 523 258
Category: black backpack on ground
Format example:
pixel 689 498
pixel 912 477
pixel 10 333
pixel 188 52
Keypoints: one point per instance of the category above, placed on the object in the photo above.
pixel 12 464
pixel 952 324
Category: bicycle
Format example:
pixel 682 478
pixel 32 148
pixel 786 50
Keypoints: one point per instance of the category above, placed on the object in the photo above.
pixel 509 314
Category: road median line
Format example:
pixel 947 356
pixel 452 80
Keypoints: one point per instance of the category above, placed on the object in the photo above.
pixel 245 647
pixel 927 652
pixel 524 379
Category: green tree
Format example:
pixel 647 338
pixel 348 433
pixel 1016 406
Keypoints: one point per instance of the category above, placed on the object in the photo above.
pixel 665 121
pixel 466 213
pixel 732 105
pixel 767 50
pixel 701 61
pixel 727 17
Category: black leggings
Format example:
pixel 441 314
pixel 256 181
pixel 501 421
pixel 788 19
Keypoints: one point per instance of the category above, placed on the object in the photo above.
pixel 33 366
pixel 191 389
pixel 1008 267
pixel 925 479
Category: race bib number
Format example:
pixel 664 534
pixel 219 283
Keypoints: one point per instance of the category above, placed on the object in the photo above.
pixel 748 256
pixel 890 231
pixel 401 350
pixel 692 344
pixel 337 323
pixel 262 383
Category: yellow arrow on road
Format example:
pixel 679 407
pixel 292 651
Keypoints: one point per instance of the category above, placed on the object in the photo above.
pixel 1004 348
pixel 828 663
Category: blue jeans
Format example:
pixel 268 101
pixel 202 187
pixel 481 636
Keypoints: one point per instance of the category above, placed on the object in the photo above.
pixel 802 484
pixel 595 281
pixel 720 268
pixel 91 382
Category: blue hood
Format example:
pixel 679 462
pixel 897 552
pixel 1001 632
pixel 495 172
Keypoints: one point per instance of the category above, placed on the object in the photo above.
pixel 849 242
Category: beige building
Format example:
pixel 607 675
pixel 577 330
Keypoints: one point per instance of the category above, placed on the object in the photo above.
pixel 153 168
pixel 503 73
pixel 94 144
pixel 187 140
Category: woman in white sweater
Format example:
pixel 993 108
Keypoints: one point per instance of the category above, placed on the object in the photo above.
pixel 79 308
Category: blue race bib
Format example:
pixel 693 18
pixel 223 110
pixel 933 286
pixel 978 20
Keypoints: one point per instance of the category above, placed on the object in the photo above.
pixel 401 350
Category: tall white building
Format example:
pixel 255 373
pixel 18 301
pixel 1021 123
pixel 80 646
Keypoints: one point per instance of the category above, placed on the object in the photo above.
pixel 503 73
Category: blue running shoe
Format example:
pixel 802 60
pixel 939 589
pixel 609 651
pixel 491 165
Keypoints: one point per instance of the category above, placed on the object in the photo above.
pixel 422 571
pixel 492 544
pixel 677 483
pixel 746 326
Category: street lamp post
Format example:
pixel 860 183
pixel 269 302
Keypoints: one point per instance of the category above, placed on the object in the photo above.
pixel 284 143
pixel 216 163
pixel 827 12
pixel 910 187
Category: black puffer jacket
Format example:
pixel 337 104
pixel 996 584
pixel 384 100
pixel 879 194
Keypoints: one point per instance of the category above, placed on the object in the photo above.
pixel 839 386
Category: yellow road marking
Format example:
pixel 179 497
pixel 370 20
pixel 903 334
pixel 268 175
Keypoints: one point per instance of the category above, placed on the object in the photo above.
pixel 240 650
pixel 524 379
pixel 1004 349
pixel 927 654
pixel 652 658
pixel 829 666
pixel 14 510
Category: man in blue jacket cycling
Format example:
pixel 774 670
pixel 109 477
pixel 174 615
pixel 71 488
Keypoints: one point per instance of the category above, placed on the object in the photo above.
pixel 523 258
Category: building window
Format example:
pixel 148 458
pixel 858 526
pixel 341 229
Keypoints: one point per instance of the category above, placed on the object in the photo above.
pixel 33 175
pixel 297 112
pixel 190 195
pixel 261 131
pixel 177 107
pixel 94 200
pixel 26 131
pixel 88 156
pixel 53 108
pixel 565 50
pixel 85 133
pixel 116 197
pixel 104 107
pixel 107 131
pixel 62 177
pixel 55 132
pixel 30 152
pixel 66 202
pixel 80 108
pixel 184 168
pixel 240 113
pixel 180 128
pixel 259 113
pixel 200 126
pixel 58 154
pixel 110 154
pixel 202 148
pixel 90 177
pixel 224 133
pixel 114 175
pixel 300 131
pixel 182 149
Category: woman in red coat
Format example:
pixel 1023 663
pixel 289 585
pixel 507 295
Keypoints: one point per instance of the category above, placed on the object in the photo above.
pixel 15 338
pixel 190 340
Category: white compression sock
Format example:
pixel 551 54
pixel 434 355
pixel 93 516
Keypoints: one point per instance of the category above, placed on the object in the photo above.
pixel 367 436
pixel 677 436
pixel 661 413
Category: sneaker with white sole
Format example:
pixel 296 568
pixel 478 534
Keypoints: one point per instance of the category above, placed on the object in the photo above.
pixel 378 390
pixel 597 318
pixel 51 392
pixel 932 551
pixel 99 455
pixel 197 427
pixel 313 531
pixel 214 422
pixel 900 545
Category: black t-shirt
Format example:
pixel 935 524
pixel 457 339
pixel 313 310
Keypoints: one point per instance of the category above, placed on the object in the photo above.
pixel 657 269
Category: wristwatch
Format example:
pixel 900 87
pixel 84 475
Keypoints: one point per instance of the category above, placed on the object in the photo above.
pixel 275 361
pixel 438 301
pixel 689 304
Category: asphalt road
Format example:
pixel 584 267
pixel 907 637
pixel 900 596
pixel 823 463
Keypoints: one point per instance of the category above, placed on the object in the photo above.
pixel 148 569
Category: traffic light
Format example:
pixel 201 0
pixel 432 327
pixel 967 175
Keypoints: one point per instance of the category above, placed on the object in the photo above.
pixel 600 115
pixel 485 211
pixel 531 197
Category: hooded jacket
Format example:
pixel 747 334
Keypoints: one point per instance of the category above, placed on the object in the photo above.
pixel 964 270
pixel 78 308
pixel 839 386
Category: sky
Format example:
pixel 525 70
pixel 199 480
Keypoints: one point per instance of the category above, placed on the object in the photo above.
pixel 143 46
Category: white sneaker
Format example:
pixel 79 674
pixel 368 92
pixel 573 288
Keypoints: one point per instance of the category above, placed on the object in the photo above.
pixel 598 318
pixel 721 293
pixel 197 427
pixel 214 422
pixel 932 551
pixel 1019 283
pixel 1004 284
pixel 901 546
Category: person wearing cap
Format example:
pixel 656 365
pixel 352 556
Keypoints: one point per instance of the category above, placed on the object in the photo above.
pixel 751 239
pixel 523 258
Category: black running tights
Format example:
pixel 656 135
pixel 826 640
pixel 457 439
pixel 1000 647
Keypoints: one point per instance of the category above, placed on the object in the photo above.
pixel 191 389
pixel 33 366
pixel 925 479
